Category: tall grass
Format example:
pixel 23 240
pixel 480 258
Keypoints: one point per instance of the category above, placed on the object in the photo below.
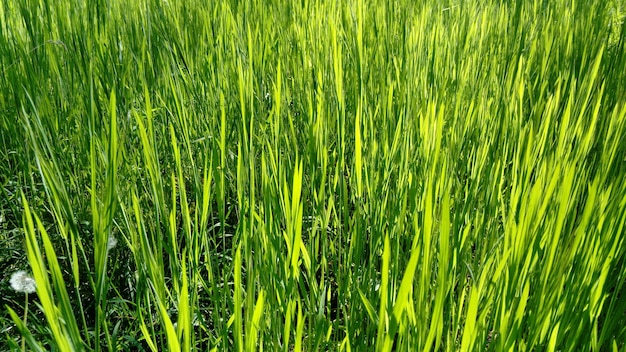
pixel 314 175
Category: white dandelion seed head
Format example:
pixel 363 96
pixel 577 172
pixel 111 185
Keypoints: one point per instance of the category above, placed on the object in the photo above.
pixel 112 242
pixel 22 282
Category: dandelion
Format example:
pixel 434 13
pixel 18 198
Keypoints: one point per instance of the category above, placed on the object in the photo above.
pixel 112 242
pixel 22 282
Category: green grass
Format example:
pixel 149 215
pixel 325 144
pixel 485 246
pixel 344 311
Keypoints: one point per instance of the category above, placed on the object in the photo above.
pixel 314 175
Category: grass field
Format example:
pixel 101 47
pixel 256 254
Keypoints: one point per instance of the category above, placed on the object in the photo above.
pixel 313 175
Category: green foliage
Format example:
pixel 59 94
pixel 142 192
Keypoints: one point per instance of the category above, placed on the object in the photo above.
pixel 314 175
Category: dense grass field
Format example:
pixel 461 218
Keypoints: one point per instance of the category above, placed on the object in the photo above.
pixel 313 175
